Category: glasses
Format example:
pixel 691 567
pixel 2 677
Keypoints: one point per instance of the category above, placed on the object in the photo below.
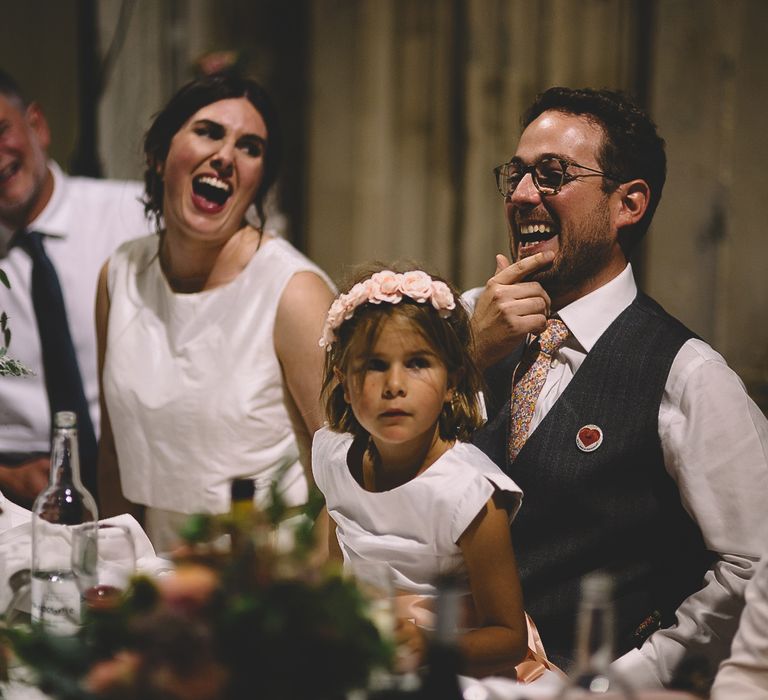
pixel 548 174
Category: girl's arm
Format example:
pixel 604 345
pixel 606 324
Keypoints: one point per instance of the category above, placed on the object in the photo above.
pixel 334 550
pixel 501 640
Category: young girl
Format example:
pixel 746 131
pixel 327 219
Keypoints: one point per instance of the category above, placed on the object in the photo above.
pixel 402 485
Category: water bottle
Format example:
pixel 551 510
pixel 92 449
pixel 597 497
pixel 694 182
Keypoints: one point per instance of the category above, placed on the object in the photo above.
pixel 595 643
pixel 64 506
pixel 440 680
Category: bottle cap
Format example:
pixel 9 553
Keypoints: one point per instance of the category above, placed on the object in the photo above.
pixel 597 588
pixel 242 489
pixel 65 419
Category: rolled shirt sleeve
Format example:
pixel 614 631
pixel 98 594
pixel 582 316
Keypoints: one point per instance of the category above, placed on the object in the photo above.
pixel 715 442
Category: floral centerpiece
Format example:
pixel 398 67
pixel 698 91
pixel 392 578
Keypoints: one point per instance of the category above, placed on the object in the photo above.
pixel 242 621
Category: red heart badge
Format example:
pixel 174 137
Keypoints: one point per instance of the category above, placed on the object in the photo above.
pixel 589 438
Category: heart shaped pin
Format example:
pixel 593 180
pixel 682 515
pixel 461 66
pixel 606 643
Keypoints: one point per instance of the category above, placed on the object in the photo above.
pixel 589 438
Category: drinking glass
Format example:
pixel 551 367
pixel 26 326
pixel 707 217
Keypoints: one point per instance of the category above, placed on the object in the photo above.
pixel 103 561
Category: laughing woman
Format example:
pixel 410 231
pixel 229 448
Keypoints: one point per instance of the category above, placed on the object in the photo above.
pixel 208 331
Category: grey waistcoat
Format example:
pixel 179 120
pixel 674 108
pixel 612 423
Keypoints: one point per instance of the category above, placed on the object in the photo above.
pixel 615 508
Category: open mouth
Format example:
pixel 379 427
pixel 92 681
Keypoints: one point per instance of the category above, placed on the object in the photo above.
pixel 212 189
pixel 9 171
pixel 530 235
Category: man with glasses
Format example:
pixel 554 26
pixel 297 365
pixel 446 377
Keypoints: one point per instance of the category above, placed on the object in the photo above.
pixel 637 448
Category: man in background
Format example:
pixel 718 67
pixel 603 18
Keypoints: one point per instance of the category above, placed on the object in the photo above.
pixel 637 448
pixel 63 228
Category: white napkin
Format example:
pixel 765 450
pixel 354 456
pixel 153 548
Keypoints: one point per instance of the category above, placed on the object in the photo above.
pixel 16 549
pixel 497 688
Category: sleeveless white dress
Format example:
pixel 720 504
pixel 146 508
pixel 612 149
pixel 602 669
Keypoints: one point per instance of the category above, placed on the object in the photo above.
pixel 411 531
pixel 193 386
pixel 413 528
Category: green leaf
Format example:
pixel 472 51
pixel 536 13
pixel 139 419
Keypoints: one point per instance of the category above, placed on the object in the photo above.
pixel 4 279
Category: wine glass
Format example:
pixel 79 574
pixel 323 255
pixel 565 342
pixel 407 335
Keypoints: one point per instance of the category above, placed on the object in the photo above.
pixel 103 561
pixel 374 580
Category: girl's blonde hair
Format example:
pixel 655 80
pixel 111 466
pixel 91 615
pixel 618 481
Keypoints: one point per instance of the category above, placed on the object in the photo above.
pixel 449 337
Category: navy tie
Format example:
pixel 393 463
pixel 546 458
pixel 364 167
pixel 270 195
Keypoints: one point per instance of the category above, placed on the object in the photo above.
pixel 63 381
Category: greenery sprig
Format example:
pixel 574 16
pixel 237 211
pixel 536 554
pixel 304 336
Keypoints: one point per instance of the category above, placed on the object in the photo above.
pixel 8 366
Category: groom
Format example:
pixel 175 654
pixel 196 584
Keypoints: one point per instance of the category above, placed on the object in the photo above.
pixel 636 447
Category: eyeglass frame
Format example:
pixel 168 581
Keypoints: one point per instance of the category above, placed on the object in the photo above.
pixel 565 163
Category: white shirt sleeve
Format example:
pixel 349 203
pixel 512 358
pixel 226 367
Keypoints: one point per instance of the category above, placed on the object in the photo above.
pixel 744 675
pixel 714 440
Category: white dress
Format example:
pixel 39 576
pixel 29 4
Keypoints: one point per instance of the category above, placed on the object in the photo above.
pixel 413 528
pixel 193 386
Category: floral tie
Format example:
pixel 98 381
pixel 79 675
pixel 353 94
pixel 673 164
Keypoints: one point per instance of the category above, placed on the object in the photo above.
pixel 537 359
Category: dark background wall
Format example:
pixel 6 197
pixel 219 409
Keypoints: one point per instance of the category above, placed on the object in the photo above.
pixel 396 111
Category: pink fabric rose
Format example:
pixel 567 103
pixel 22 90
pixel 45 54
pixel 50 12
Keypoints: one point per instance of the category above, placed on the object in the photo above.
pixel 442 298
pixel 417 285
pixel 389 287
pixel 361 293
pixel 336 315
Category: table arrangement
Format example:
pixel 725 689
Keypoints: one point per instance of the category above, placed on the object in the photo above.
pixel 240 616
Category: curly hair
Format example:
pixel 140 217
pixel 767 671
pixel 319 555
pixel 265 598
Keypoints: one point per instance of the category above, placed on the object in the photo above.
pixel 186 102
pixel 450 338
pixel 631 148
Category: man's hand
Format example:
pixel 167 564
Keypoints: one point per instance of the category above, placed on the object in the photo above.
pixel 509 308
pixel 22 483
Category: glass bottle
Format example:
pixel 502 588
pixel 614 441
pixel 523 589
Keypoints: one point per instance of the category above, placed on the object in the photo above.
pixel 65 505
pixel 241 503
pixel 440 680
pixel 595 627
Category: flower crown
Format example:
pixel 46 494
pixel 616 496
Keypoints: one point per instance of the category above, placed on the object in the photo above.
pixel 390 287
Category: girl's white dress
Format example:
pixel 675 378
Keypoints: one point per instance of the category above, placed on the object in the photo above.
pixel 412 530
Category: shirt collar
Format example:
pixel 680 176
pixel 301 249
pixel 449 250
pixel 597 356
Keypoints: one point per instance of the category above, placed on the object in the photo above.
pixel 589 316
pixel 44 220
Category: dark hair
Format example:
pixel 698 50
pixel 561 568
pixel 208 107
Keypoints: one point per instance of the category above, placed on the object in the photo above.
pixel 188 100
pixel 450 338
pixel 10 89
pixel 631 148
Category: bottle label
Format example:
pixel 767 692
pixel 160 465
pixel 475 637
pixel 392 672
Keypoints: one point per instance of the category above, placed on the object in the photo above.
pixel 55 601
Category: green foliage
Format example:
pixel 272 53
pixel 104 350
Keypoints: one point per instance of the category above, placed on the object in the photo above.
pixel 247 621
pixel 8 366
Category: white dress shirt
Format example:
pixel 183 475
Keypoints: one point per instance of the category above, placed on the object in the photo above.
pixel 715 445
pixel 84 221
pixel 744 675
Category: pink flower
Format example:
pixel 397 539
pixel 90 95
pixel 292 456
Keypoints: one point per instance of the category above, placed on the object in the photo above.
pixel 112 673
pixel 336 315
pixel 360 294
pixel 389 287
pixel 417 285
pixel 190 588
pixel 442 298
